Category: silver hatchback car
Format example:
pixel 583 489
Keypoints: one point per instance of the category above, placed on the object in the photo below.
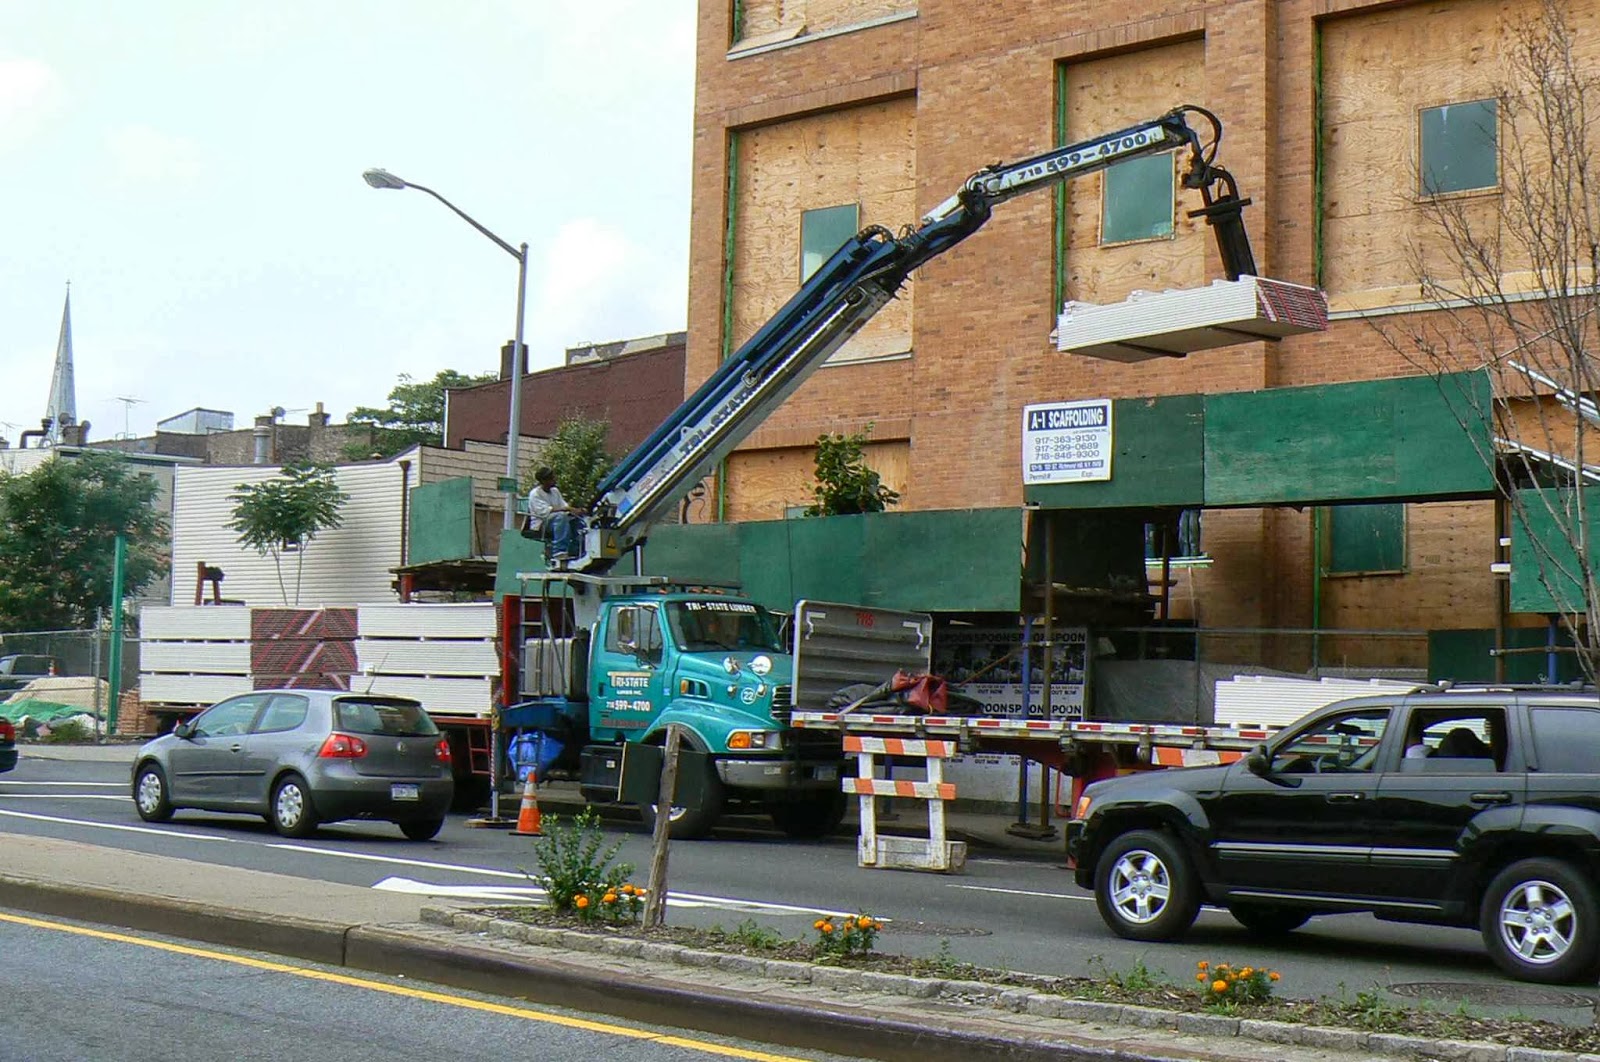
pixel 301 758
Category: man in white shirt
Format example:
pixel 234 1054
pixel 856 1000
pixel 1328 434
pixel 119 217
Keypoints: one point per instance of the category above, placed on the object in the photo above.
pixel 548 513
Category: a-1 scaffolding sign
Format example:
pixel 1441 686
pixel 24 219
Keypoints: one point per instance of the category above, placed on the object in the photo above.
pixel 1066 442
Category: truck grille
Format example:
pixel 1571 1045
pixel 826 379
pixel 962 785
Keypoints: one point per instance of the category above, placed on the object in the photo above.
pixel 782 700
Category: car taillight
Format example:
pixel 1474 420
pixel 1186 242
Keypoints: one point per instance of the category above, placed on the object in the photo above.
pixel 7 731
pixel 343 747
pixel 441 751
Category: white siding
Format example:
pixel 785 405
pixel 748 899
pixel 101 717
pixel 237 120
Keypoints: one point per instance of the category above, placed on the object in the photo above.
pixel 349 565
pixel 426 621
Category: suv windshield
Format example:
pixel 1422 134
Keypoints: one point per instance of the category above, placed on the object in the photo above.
pixel 708 626
pixel 391 718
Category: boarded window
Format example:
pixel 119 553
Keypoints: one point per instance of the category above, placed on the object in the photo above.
pixel 823 232
pixel 1136 203
pixel 1459 147
pixel 1366 538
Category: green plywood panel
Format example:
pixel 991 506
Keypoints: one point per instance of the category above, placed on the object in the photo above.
pixel 440 521
pixel 1467 656
pixel 1158 459
pixel 516 554
pixel 694 553
pixel 1377 439
pixel 765 563
pixel 1545 575
pixel 964 560
pixel 827 558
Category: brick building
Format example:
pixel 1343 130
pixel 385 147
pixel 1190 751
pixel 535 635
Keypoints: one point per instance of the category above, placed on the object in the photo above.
pixel 817 118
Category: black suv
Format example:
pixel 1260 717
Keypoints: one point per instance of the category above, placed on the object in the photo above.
pixel 1460 807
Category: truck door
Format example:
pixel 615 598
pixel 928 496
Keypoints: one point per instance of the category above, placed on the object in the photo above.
pixel 627 672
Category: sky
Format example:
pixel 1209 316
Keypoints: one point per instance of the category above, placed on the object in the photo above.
pixel 193 168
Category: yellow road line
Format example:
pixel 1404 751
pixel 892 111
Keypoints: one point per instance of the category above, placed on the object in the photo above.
pixel 409 993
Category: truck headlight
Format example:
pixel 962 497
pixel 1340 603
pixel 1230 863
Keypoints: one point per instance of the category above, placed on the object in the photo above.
pixel 1080 810
pixel 756 739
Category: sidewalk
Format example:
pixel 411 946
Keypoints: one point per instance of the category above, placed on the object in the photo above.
pixel 827 1008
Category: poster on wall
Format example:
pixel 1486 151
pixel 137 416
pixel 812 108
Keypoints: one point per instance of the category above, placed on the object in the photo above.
pixel 1066 442
pixel 993 655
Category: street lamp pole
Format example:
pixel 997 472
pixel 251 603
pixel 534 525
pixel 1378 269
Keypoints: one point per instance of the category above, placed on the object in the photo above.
pixel 385 179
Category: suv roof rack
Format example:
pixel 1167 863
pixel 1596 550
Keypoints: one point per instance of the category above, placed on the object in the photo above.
pixel 1449 686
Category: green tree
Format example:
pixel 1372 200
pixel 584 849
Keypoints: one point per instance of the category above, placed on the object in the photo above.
pixel 415 414
pixel 844 482
pixel 58 529
pixel 283 514
pixel 577 454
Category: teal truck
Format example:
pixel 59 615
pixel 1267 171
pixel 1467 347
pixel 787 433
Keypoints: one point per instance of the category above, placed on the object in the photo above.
pixel 609 662
pixel 606 663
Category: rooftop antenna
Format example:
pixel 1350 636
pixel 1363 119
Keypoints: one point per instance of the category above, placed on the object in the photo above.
pixel 128 402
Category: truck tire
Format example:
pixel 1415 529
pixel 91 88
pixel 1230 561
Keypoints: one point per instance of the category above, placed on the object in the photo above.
pixel 1145 888
pixel 810 817
pixel 690 824
pixel 1541 922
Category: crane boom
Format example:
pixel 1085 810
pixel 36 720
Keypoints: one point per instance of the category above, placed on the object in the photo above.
pixel 844 294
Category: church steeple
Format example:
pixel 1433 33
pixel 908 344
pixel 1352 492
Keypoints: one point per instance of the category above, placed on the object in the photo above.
pixel 63 407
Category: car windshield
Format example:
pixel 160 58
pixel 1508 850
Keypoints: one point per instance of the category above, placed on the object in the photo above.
pixel 391 718
pixel 709 626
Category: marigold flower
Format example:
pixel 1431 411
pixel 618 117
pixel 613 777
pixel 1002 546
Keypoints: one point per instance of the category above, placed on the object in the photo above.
pixel 1202 965
pixel 1219 986
pixel 610 897
pixel 627 890
pixel 817 924
pixel 581 902
pixel 1200 977
pixel 1272 976
pixel 1245 972
pixel 826 927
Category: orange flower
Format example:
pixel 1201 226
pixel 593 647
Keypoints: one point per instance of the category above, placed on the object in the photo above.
pixel 826 927
pixel 627 890
pixel 1202 965
pixel 818 924
pixel 581 902
pixel 610 897
pixel 1273 976
pixel 1219 986
pixel 1200 977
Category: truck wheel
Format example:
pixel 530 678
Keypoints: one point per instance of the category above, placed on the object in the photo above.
pixel 809 817
pixel 689 824
pixel 1268 920
pixel 1144 887
pixel 150 794
pixel 1540 922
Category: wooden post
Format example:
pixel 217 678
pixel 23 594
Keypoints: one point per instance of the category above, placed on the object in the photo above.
pixel 655 905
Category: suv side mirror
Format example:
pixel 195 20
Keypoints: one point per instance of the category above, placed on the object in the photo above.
pixel 1258 762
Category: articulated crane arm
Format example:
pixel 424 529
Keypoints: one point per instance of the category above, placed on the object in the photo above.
pixel 845 293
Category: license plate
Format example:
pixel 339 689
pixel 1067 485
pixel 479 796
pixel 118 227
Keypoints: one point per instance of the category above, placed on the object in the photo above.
pixel 827 774
pixel 404 792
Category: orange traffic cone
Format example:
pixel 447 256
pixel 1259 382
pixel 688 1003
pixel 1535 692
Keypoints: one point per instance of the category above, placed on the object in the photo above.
pixel 528 815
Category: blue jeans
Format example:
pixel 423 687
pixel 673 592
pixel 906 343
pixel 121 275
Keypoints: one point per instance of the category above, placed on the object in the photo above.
pixel 564 532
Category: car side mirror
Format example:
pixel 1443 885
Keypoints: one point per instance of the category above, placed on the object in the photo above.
pixel 1258 762
pixel 184 730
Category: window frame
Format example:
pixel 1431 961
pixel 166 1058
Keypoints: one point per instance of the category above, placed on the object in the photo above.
pixel 1172 201
pixel 805 274
pixel 1421 191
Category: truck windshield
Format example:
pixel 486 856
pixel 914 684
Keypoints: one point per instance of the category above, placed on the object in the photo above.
pixel 704 626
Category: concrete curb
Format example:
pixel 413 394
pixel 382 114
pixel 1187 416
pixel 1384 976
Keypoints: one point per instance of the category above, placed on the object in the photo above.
pixel 1004 998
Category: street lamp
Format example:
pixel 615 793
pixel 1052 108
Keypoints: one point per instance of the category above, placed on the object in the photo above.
pixel 385 179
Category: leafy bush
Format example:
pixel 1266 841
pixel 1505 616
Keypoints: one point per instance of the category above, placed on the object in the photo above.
pixel 66 732
pixel 844 482
pixel 578 877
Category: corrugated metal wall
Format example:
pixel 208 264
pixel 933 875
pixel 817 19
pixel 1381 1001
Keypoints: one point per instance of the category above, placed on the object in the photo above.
pixel 345 566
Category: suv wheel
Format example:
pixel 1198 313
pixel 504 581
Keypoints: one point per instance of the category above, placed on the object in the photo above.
pixel 1144 887
pixel 1540 922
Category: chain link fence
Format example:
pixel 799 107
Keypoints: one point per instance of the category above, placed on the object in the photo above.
pixel 55 684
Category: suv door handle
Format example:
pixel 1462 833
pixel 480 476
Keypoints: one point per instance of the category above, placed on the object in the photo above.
pixel 1343 798
pixel 1485 799
pixel 235 747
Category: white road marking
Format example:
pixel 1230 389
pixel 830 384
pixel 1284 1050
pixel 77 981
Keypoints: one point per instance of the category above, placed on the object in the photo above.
pixel 118 826
pixel 78 785
pixel 456 867
pixel 64 796
pixel 674 899
pixel 1025 892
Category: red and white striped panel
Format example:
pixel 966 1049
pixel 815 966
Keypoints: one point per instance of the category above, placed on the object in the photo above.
pixel 882 746
pixel 1171 757
pixel 893 787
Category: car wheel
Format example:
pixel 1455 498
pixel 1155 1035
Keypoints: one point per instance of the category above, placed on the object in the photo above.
pixel 150 794
pixel 1266 920
pixel 292 812
pixel 1144 887
pixel 1540 922
pixel 421 829
pixel 810 817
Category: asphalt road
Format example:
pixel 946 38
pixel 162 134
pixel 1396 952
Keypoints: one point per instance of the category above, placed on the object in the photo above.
pixel 1023 914
pixel 73 992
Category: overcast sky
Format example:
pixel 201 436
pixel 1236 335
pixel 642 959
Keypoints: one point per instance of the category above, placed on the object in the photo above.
pixel 193 167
